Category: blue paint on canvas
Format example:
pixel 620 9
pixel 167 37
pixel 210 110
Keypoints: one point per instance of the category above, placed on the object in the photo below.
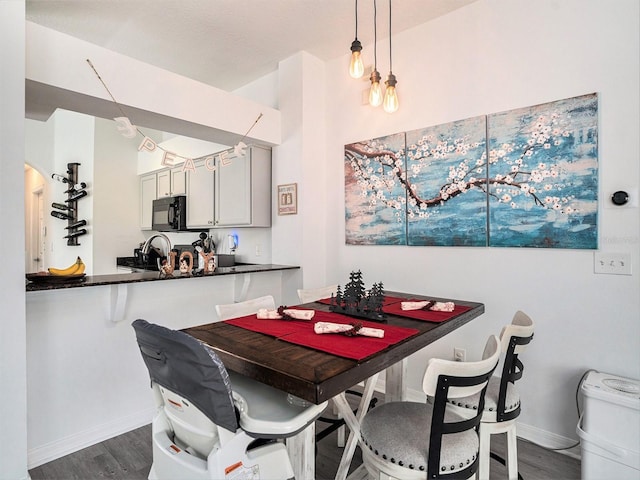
pixel 375 198
pixel 446 180
pixel 543 171
pixel 521 178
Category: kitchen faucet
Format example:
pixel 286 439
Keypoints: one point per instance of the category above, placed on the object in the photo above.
pixel 147 246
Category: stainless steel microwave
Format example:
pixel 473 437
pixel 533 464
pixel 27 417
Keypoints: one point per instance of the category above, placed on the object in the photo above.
pixel 169 214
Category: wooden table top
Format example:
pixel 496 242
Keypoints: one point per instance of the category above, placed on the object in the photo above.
pixel 313 375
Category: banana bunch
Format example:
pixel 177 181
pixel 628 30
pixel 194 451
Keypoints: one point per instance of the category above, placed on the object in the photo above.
pixel 76 268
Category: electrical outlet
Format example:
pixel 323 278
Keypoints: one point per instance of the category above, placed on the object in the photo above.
pixel 459 354
pixel 258 250
pixel 612 263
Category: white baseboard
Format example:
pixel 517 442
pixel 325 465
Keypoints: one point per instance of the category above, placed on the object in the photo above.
pixel 535 435
pixel 45 453
pixel 548 439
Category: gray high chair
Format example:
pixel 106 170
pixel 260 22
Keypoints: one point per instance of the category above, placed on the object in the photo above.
pixel 208 426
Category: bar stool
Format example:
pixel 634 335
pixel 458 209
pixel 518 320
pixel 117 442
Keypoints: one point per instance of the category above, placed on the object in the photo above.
pixel 502 401
pixel 411 440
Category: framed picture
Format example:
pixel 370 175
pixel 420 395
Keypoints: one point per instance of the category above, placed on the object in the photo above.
pixel 288 199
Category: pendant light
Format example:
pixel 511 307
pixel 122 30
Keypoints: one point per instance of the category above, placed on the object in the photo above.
pixel 390 103
pixel 356 67
pixel 375 92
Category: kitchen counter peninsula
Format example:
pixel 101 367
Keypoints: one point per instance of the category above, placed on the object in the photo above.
pixel 80 340
pixel 152 276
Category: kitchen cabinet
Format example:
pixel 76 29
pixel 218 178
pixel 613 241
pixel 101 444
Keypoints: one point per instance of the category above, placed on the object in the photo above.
pixel 178 181
pixel 171 182
pixel 243 189
pixel 148 193
pixel 200 189
pixel 163 183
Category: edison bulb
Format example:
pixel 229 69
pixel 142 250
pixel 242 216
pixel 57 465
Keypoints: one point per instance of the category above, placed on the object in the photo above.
pixel 390 103
pixel 356 67
pixel 375 92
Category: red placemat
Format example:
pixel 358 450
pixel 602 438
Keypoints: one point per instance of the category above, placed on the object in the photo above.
pixel 301 333
pixel 426 315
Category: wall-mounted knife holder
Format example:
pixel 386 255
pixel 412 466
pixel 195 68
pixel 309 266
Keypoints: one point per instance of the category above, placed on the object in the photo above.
pixel 75 191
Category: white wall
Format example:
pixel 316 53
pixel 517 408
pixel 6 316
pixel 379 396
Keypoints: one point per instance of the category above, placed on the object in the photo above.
pixel 13 379
pixel 490 56
pixel 114 223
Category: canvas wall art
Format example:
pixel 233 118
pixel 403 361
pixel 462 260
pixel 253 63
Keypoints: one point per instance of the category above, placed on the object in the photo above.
pixel 375 197
pixel 446 184
pixel 522 178
pixel 543 172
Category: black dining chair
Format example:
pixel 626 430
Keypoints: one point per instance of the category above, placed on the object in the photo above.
pixel 412 440
pixel 502 401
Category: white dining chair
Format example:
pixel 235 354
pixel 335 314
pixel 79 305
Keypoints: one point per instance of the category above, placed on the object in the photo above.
pixel 240 309
pixel 412 440
pixel 502 401
pixel 209 427
pixel 307 295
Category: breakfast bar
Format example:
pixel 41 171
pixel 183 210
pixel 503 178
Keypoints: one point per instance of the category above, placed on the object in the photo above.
pixel 80 340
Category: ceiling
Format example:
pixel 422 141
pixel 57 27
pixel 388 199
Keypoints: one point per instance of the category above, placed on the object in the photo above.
pixel 229 43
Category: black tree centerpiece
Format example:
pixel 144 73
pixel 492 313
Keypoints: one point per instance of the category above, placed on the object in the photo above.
pixel 355 301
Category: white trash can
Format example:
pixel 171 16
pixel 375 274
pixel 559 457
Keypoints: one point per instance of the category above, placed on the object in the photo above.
pixel 609 428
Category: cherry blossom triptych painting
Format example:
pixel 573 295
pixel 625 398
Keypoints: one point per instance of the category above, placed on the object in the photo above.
pixel 521 178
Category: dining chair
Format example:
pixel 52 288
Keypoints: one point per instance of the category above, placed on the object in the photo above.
pixel 307 295
pixel 502 401
pixel 210 427
pixel 240 309
pixel 413 440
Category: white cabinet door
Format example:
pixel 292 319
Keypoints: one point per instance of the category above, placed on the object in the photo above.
pixel 200 195
pixel 243 190
pixel 163 178
pixel 178 181
pixel 148 194
pixel 233 192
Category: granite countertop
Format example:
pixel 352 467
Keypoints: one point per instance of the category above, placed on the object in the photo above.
pixel 98 280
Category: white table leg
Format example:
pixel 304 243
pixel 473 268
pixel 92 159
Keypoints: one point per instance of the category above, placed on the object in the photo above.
pixel 396 388
pixel 302 450
pixel 353 422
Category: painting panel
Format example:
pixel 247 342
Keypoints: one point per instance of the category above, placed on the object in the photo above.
pixel 375 197
pixel 543 171
pixel 446 184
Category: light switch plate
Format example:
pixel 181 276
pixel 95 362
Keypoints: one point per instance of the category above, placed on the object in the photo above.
pixel 612 263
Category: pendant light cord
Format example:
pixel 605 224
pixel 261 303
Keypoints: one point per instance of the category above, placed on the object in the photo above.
pixel 356 19
pixel 390 64
pixel 375 36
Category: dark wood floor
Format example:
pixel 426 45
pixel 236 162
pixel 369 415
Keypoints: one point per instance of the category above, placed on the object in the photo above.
pixel 128 457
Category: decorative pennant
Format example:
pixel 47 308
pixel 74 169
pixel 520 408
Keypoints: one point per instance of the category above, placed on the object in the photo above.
pixel 125 127
pixel 128 130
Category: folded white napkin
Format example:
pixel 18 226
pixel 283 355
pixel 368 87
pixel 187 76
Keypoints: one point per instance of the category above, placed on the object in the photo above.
pixel 328 327
pixel 437 306
pixel 264 313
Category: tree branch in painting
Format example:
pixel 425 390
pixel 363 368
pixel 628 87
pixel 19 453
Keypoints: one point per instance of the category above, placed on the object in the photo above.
pixel 378 169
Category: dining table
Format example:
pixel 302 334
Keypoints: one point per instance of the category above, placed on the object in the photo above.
pixel 287 354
